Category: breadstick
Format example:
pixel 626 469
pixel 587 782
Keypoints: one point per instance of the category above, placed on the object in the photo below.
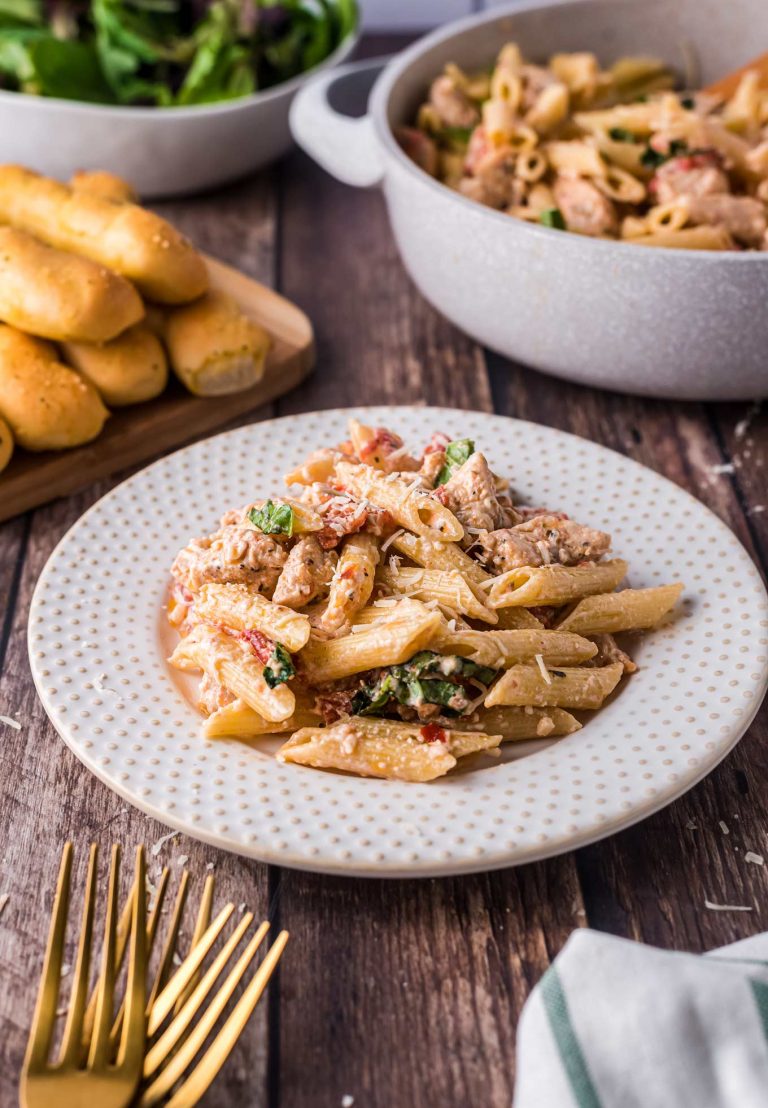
pixel 127 370
pixel 99 182
pixel 47 405
pixel 126 238
pixel 6 444
pixel 214 348
pixel 61 296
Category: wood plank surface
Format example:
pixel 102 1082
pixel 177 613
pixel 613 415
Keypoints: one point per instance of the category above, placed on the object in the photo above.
pixel 394 993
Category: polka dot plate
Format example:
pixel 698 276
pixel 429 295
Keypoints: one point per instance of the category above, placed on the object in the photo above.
pixel 98 641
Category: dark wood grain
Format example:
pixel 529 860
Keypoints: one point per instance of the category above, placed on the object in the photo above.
pixel 395 993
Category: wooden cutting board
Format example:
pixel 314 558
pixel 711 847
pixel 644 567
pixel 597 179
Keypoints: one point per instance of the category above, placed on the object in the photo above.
pixel 144 431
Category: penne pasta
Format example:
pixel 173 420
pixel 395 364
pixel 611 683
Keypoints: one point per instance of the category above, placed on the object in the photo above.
pixel 689 238
pixel 501 649
pixel 447 587
pixel 388 649
pixel 518 724
pixel 382 748
pixel 236 606
pixel 407 502
pixel 389 642
pixel 629 610
pixel 351 585
pixel 237 721
pixel 564 687
pixel 554 584
pixel 227 661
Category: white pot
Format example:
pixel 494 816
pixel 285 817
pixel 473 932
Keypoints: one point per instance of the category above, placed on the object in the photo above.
pixel 161 151
pixel 667 323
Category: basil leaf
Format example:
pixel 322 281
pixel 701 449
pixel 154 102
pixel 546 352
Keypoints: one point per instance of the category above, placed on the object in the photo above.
pixel 456 454
pixel 460 135
pixel 653 159
pixel 280 667
pixel 621 134
pixel 273 519
pixel 688 103
pixel 552 217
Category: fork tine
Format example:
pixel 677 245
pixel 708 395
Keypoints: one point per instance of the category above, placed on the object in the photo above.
pixel 98 1054
pixel 45 1007
pixel 186 971
pixel 214 1058
pixel 154 919
pixel 168 1077
pixel 157 1054
pixel 71 1045
pixel 201 924
pixel 123 929
pixel 132 1041
pixel 166 958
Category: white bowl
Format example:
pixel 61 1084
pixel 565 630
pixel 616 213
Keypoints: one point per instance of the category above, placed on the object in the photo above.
pixel 667 323
pixel 161 151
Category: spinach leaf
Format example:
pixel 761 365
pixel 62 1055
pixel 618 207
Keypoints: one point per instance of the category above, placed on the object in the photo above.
pixel 456 454
pixel 653 158
pixel 424 679
pixel 279 668
pixel 273 519
pixel 621 134
pixel 552 217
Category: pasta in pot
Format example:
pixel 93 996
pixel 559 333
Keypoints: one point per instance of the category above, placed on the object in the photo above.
pixel 401 613
pixel 613 153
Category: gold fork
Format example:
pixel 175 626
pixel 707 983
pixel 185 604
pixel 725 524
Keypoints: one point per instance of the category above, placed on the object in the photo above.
pixel 103 1080
pixel 177 1044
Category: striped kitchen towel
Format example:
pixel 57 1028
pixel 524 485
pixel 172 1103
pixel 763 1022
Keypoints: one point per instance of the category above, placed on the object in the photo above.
pixel 615 1024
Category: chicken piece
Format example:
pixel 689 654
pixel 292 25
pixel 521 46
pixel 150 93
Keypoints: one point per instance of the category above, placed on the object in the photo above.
pixel 306 574
pixel 693 175
pixel 419 147
pixel 235 554
pixel 540 541
pixel 211 695
pixel 479 147
pixel 608 652
pixel 344 515
pixel 584 208
pixel 743 217
pixel 471 496
pixel 494 182
pixel 452 104
pixel 535 79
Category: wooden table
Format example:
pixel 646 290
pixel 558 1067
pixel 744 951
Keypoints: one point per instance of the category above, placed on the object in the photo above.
pixel 397 993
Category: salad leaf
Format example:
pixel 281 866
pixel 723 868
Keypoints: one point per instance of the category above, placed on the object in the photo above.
pixel 279 668
pixel 167 52
pixel 21 12
pixel 221 68
pixel 273 519
pixel 456 454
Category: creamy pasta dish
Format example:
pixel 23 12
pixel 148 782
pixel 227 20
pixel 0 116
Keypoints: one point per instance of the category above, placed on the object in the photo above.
pixel 609 153
pixel 402 612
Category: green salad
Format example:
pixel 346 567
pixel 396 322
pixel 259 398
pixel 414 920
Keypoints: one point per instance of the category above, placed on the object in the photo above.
pixel 164 52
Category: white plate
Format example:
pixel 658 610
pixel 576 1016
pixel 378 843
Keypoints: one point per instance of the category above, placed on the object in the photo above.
pixel 97 644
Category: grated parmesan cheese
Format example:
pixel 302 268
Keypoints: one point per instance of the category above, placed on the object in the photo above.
pixel 724 827
pixel 728 907
pixel 158 846
pixel 388 542
pixel 14 723
pixel 755 859
pixel 385 602
pixel 543 669
pixel 544 551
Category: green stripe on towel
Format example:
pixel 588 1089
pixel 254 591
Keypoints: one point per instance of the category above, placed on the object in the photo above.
pixel 760 993
pixel 571 1055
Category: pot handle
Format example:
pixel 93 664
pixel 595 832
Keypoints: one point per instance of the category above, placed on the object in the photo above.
pixel 326 122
